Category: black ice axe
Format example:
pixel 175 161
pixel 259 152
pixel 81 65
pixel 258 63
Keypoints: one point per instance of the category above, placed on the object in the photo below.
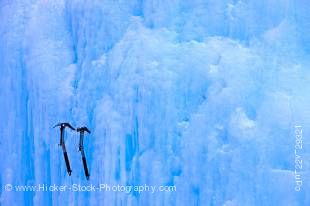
pixel 81 130
pixel 62 143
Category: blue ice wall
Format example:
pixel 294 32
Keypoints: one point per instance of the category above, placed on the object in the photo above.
pixel 203 95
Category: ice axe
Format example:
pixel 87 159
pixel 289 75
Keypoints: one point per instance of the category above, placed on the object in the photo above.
pixel 62 143
pixel 81 130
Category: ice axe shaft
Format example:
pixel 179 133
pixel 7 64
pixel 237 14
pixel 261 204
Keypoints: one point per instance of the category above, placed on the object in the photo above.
pixel 81 149
pixel 63 146
pixel 67 163
pixel 85 167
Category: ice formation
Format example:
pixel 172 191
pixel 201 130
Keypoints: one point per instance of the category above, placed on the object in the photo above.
pixel 203 95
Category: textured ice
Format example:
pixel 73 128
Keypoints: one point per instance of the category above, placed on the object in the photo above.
pixel 200 94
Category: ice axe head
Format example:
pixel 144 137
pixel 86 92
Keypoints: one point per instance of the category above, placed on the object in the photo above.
pixel 83 129
pixel 64 125
pixel 62 129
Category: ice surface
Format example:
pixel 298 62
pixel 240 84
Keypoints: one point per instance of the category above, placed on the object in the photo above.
pixel 202 95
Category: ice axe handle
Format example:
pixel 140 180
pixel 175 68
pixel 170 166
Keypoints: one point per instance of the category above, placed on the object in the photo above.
pixel 67 163
pixel 85 168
